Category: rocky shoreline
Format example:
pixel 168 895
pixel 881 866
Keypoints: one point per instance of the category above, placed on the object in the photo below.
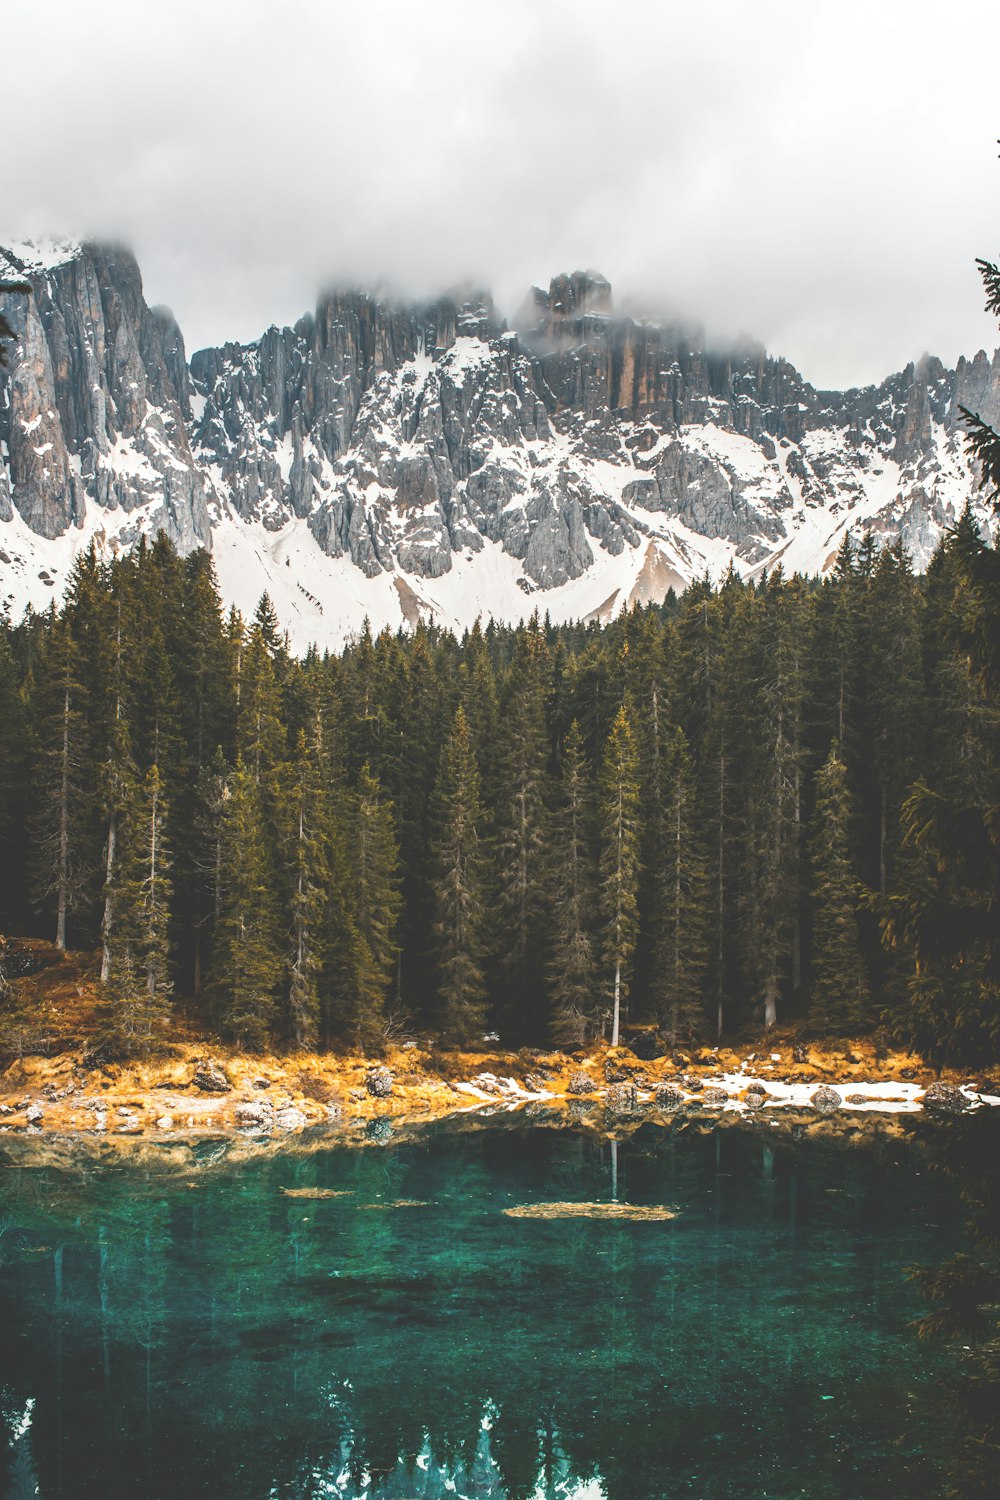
pixel 189 1093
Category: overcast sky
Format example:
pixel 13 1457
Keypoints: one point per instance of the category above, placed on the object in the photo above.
pixel 819 175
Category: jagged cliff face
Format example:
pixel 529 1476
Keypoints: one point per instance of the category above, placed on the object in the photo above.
pixel 96 405
pixel 407 462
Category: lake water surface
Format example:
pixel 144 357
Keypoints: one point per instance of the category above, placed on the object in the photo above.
pixel 175 1333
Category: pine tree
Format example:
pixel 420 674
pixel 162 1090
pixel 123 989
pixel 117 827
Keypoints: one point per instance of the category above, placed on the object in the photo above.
pixel 136 973
pixel 14 774
pixel 940 915
pixel 620 834
pixel 417 710
pixel 366 953
pixel 63 855
pixel 982 440
pixel 305 838
pixel 247 953
pixel 259 734
pixel 117 782
pixel 840 996
pixel 572 967
pixel 207 721
pixel 522 838
pixel 769 732
pixel 457 876
pixel 211 794
pixel 707 697
pixel 678 904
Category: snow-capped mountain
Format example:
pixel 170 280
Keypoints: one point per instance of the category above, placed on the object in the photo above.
pixel 404 462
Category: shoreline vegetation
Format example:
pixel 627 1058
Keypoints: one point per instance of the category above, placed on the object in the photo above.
pixel 194 1087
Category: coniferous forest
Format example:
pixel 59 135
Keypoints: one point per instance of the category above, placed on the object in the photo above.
pixel 763 802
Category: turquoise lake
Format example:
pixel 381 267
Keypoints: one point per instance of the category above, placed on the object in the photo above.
pixel 189 1327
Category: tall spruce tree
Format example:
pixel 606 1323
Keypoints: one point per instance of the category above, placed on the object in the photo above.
pixel 619 868
pixel 522 838
pixel 457 876
pixel 677 908
pixel 572 965
pixel 260 735
pixel 304 824
pixel 63 852
pixel 247 951
pixel 366 949
pixel 14 778
pixel 136 974
pixel 840 1001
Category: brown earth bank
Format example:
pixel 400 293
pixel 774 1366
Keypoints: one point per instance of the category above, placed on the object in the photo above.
pixel 55 1083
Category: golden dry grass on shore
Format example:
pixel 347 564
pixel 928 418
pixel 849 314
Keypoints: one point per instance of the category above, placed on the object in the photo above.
pixel 158 1097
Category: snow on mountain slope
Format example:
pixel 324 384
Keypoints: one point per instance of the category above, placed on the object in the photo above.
pixel 401 463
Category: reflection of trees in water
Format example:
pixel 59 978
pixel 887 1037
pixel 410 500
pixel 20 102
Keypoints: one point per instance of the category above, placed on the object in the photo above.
pixel 963 1294
pixel 218 1337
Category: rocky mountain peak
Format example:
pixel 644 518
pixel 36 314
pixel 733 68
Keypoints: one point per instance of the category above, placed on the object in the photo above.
pixel 407 461
pixel 559 314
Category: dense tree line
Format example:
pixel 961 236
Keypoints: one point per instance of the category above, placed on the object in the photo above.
pixel 767 800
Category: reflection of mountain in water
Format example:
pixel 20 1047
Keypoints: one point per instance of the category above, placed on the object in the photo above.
pixel 209 1335
pixel 23 1482
pixel 478 1477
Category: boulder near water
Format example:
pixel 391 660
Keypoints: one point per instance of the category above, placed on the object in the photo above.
pixel 622 1098
pixel 255 1114
pixel 713 1098
pixel 379 1083
pixel 210 1078
pixel 581 1083
pixel 945 1098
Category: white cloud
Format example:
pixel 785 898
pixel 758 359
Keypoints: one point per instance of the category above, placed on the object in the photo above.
pixel 822 177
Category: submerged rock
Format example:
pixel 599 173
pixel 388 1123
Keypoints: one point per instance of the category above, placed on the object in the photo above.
pixel 945 1098
pixel 756 1096
pixel 826 1100
pixel 668 1096
pixel 379 1083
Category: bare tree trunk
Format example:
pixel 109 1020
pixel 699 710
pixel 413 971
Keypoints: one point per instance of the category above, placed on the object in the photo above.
pixel 616 1019
pixel 720 947
pixel 109 866
pixel 677 917
pixel 154 825
pixel 63 876
pixel 797 916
